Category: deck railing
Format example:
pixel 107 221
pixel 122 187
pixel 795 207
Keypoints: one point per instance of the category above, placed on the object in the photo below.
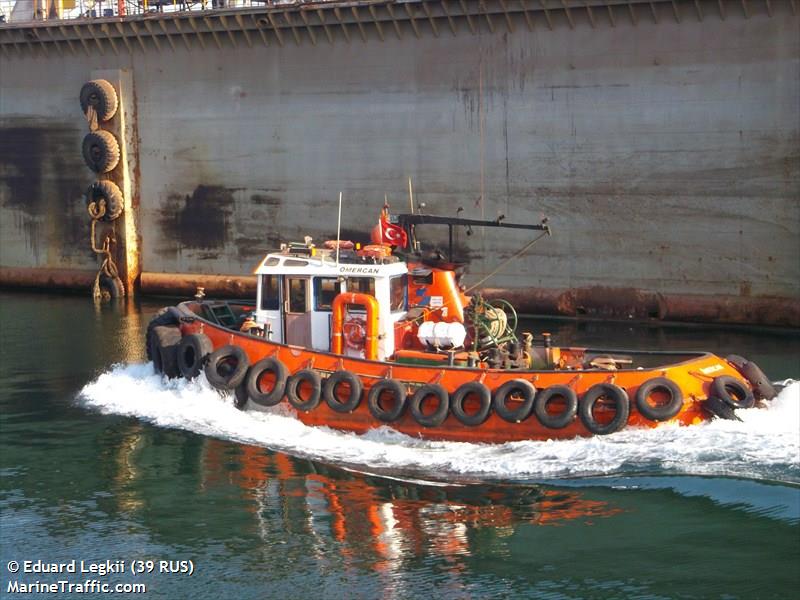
pixel 25 11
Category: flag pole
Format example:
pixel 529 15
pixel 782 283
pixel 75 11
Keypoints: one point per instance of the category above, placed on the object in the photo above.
pixel 338 230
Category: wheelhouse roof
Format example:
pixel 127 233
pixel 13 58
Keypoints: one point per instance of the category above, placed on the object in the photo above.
pixel 325 265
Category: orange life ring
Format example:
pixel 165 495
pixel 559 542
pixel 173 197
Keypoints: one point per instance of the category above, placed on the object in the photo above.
pixel 376 251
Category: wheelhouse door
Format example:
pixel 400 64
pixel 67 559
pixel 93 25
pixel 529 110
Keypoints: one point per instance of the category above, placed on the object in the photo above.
pixel 298 311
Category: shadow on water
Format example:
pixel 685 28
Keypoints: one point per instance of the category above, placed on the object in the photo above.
pixel 78 484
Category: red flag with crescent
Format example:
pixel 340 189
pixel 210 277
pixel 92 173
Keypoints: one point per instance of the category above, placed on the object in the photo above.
pixel 387 232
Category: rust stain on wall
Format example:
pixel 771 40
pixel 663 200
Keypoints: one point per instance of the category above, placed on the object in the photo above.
pixel 198 221
pixel 42 181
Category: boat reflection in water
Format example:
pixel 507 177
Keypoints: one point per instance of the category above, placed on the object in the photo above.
pixel 380 521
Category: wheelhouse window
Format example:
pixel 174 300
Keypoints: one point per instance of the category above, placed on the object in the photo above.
pixel 398 293
pixel 325 290
pixel 297 295
pixel 270 292
pixel 361 285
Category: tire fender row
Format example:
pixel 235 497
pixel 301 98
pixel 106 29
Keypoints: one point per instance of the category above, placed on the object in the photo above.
pixel 104 199
pixel 603 408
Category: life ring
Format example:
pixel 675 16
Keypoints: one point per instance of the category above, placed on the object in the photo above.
pixel 226 367
pixel 331 387
pixel 610 392
pixel 100 151
pixel 354 332
pixel 100 95
pixel 505 392
pixel 663 411
pixel 398 393
pixel 438 416
pixel 471 389
pixel 554 393
pixel 309 379
pixel 192 352
pixel 254 380
pixel 732 391
pixel 375 251
pixel 163 345
pixel 762 386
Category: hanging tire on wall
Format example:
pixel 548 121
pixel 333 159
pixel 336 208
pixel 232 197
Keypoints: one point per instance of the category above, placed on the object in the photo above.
pixel 519 390
pixel 732 391
pixel 479 393
pixel 387 389
pixel 561 395
pixel 100 151
pixel 105 197
pixel 163 346
pixel 337 381
pixel 100 95
pixel 604 393
pixel 192 352
pixel 226 367
pixel 665 410
pixel 438 416
pixel 272 373
pixel 304 389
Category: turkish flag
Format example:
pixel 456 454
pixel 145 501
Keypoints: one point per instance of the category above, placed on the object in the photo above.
pixel 389 233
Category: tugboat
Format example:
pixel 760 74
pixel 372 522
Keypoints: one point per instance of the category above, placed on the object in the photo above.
pixel 355 338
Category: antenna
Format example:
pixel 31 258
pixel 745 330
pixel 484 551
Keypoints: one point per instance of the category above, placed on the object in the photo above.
pixel 410 195
pixel 338 230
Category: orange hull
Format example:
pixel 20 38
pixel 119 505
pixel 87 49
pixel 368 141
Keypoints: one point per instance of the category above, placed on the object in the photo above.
pixel 692 376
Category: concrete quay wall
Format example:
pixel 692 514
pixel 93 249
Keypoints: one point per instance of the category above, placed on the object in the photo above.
pixel 662 143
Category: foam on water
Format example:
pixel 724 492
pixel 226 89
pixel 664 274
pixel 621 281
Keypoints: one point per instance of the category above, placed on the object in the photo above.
pixel 764 445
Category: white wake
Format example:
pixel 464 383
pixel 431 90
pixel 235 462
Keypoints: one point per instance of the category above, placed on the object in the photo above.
pixel 764 445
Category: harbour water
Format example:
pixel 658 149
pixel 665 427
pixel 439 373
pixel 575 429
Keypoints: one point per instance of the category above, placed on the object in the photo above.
pixel 103 461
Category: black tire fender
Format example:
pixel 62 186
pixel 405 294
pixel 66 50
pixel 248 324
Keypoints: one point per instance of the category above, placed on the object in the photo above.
pixel 397 390
pixel 732 391
pixel 168 315
pixel 547 395
pixel 240 396
pixel 164 340
pixel 762 386
pixel 226 379
pixel 438 416
pixel 719 408
pixel 665 411
pixel 193 350
pixel 333 382
pixel 464 391
pixel 280 372
pixel 102 96
pixel 109 192
pixel 591 397
pixel 504 392
pixel 311 378
pixel 100 151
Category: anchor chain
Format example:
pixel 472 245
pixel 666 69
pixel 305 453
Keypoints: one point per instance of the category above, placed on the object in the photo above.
pixel 108 268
